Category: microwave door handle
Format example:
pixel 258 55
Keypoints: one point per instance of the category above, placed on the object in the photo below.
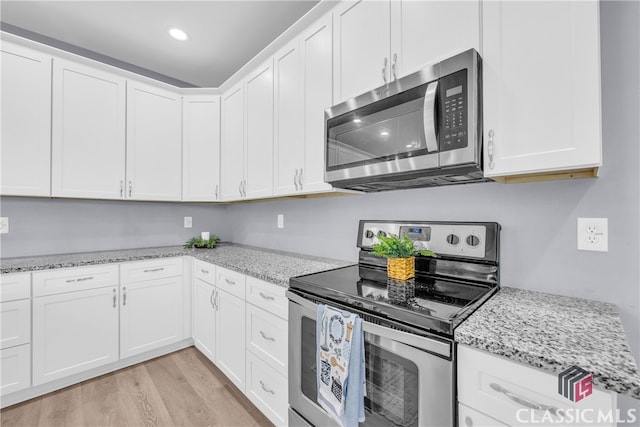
pixel 429 116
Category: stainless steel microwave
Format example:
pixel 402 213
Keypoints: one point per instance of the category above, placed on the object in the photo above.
pixel 418 131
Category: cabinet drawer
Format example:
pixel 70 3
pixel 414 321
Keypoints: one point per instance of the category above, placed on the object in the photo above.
pixel 267 389
pixel 267 337
pixel 15 369
pixel 231 281
pixel 205 272
pixel 148 270
pixel 15 286
pixel 267 296
pixel 15 321
pixel 52 282
pixel 503 388
pixel 468 417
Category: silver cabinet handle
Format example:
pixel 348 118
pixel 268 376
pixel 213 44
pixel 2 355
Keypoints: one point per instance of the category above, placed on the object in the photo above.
pixel 79 279
pixel 492 134
pixel 384 69
pixel 151 270
pixel 216 191
pixel 265 388
pixel 231 282
pixel 295 179
pixel 121 188
pixel 267 337
pixel 300 179
pixel 124 296
pixel 212 298
pixel 130 187
pixel 393 67
pixel 202 270
pixel 523 401
pixel 217 300
pixel 267 297
pixel 114 298
pixel 240 188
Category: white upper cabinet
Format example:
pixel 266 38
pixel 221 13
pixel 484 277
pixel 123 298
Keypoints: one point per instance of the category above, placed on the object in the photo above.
pixel 317 73
pixel 289 125
pixel 362 45
pixel 154 143
pixel 201 148
pixel 232 144
pixel 26 122
pixel 541 89
pixel 259 132
pixel 88 132
pixel 423 32
pixel 378 41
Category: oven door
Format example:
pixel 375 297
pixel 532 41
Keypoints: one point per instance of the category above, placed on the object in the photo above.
pixel 409 378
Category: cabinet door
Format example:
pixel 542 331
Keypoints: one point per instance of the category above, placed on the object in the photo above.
pixel 423 32
pixel 259 125
pixel 74 332
pixel 204 318
pixel 541 88
pixel 150 315
pixel 26 122
pixel 317 52
pixel 201 148
pixel 289 114
pixel 88 141
pixel 15 323
pixel 362 45
pixel 230 337
pixel 232 144
pixel 154 143
pixel 15 369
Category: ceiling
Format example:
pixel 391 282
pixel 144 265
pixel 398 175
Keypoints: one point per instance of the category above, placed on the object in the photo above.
pixel 223 35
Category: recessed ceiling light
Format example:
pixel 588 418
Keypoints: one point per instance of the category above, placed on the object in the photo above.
pixel 178 34
pixel 357 121
pixel 384 133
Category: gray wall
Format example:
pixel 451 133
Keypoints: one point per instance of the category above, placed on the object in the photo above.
pixel 40 226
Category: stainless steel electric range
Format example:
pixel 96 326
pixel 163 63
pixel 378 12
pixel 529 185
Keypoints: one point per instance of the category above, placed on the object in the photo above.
pixel 408 325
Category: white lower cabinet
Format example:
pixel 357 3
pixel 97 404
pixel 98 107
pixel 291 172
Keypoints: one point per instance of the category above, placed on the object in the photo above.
pixel 204 318
pixel 74 332
pixel 15 369
pixel 230 337
pixel 506 391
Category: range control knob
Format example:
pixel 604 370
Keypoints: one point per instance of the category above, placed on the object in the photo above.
pixel 368 234
pixel 453 239
pixel 473 240
pixel 382 233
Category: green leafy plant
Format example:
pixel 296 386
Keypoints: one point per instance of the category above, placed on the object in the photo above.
pixel 396 247
pixel 199 242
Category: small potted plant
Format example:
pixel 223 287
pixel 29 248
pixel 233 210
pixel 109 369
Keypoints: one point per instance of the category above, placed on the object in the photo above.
pixel 200 243
pixel 400 254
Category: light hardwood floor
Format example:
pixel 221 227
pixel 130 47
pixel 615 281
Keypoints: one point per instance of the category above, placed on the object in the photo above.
pixel 179 389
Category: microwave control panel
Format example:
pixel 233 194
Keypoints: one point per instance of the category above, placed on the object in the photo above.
pixel 454 105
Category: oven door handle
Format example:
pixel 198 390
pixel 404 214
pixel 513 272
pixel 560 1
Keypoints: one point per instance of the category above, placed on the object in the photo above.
pixel 429 117
pixel 437 346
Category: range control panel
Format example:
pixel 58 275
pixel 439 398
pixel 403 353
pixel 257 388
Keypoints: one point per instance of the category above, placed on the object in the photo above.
pixel 469 240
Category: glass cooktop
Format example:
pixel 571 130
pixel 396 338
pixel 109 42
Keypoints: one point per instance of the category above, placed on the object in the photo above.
pixel 426 302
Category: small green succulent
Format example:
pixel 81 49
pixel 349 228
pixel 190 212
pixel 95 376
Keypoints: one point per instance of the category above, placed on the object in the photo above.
pixel 396 247
pixel 199 242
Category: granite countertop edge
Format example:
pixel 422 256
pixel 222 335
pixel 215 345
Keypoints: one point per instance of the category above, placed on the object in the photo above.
pixel 497 328
pixel 248 260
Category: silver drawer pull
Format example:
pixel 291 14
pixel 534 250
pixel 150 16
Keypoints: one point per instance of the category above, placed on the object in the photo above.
pixel 265 388
pixel 204 271
pixel 267 297
pixel 151 270
pixel 124 296
pixel 231 282
pixel 114 298
pixel 524 401
pixel 79 279
pixel 267 337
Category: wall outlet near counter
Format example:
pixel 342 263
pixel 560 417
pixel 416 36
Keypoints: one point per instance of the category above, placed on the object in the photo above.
pixel 4 225
pixel 593 234
pixel 188 222
pixel 280 221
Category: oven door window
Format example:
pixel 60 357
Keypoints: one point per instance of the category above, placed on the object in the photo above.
pixel 390 129
pixel 392 381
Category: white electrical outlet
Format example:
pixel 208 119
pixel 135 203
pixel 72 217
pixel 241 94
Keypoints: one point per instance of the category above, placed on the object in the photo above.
pixel 4 225
pixel 188 222
pixel 280 221
pixel 593 234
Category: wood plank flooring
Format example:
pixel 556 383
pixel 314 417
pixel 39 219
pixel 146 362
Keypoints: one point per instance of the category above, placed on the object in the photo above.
pixel 180 389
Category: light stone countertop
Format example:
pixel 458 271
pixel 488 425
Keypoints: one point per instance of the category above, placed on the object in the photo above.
pixel 270 265
pixel 553 333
